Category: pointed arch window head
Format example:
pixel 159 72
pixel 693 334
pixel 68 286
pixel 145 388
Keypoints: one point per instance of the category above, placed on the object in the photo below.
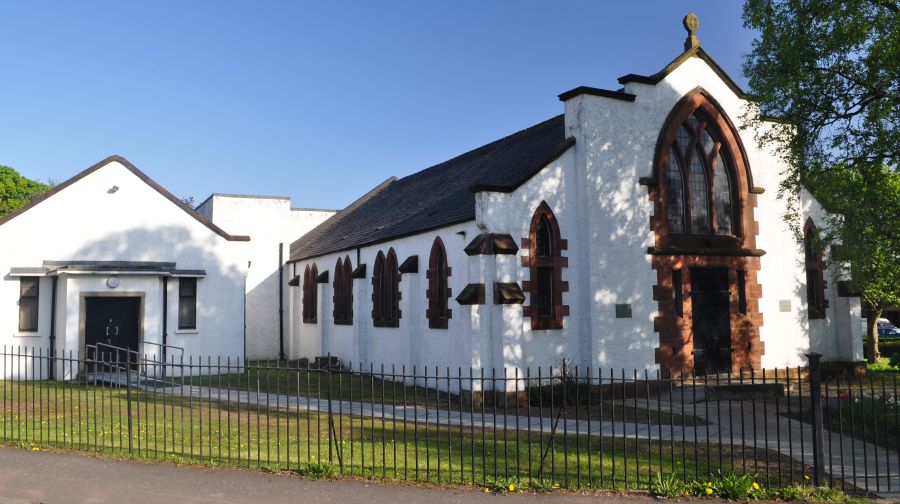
pixel 343 292
pixel 699 180
pixel 386 290
pixel 438 294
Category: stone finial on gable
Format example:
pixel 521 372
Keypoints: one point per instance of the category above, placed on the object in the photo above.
pixel 691 22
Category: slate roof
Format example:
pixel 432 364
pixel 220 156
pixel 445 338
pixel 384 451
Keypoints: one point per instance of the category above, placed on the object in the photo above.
pixel 438 196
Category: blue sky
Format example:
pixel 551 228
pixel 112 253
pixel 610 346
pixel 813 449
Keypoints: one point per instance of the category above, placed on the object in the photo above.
pixel 320 100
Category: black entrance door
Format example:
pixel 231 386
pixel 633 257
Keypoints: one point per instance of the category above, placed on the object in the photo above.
pixel 711 317
pixel 113 321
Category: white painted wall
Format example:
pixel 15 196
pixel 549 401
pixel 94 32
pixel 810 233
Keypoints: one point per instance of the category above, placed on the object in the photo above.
pixel 87 222
pixel 270 222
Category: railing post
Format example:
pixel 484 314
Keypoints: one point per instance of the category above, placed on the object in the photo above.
pixel 815 401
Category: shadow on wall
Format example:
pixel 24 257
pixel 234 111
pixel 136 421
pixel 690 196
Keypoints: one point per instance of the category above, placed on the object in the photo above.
pixel 175 244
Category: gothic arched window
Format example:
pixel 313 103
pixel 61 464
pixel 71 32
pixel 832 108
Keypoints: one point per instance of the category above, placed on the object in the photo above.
pixel 815 272
pixel 310 294
pixel 343 292
pixel 545 262
pixel 699 180
pixel 386 290
pixel 439 292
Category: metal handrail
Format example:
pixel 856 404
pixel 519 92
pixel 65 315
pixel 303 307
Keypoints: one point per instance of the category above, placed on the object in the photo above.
pixel 165 346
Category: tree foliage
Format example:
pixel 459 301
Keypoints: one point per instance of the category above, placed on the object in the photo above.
pixel 830 71
pixel 16 190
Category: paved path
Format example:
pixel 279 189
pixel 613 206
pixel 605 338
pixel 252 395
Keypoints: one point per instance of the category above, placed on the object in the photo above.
pixel 62 478
pixel 856 462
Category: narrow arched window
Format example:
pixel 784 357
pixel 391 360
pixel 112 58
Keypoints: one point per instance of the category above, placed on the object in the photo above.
pixel 545 264
pixel 386 290
pixel 699 175
pixel 815 272
pixel 377 281
pixel 310 294
pixel 343 292
pixel 439 292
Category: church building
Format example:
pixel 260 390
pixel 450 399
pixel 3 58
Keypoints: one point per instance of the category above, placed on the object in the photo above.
pixel 639 229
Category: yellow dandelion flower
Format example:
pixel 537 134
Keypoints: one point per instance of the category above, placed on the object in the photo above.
pixel 512 488
pixel 709 483
pixel 35 449
pixel 708 491
pixel 487 490
pixel 755 485
pixel 806 477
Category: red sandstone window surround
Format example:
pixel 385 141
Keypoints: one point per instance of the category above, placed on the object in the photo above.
pixel 545 263
pixel 343 292
pixel 438 293
pixel 815 272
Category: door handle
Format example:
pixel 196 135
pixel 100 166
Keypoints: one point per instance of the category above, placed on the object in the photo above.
pixel 107 330
pixel 117 330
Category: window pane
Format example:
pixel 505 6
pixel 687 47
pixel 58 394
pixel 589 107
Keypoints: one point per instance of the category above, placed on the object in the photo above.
pixel 675 188
pixel 699 196
pixel 28 286
pixel 722 186
pixel 707 143
pixel 683 138
pixel 28 314
pixel 187 303
pixel 544 246
pixel 545 293
pixel 693 121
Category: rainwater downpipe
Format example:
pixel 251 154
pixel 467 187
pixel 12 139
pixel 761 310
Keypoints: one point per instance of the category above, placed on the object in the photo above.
pixel 281 301
pixel 52 370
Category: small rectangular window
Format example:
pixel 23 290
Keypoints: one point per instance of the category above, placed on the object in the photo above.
pixel 676 292
pixel 29 293
pixel 187 303
pixel 742 292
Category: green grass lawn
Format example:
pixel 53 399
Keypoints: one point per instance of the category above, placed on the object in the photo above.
pixel 266 377
pixel 167 427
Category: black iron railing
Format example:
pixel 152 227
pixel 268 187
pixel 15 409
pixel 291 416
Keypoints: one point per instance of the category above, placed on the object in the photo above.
pixel 570 427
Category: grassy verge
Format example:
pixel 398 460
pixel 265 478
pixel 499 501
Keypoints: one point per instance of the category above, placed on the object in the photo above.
pixel 179 429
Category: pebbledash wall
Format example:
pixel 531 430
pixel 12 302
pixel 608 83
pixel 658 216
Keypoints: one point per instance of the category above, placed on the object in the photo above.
pixel 599 192
pixel 272 225
pixel 112 212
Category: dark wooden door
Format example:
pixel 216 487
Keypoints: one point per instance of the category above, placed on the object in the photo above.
pixel 113 321
pixel 711 320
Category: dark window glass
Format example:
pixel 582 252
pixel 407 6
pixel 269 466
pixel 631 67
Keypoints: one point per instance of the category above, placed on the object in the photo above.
pixel 544 238
pixel 699 195
pixel 438 293
pixel 441 282
pixel 310 294
pixel 545 293
pixel 187 303
pixel 722 195
pixel 29 295
pixel 675 198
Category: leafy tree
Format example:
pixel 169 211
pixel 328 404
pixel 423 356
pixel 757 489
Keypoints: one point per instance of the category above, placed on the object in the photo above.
pixel 828 69
pixel 16 190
